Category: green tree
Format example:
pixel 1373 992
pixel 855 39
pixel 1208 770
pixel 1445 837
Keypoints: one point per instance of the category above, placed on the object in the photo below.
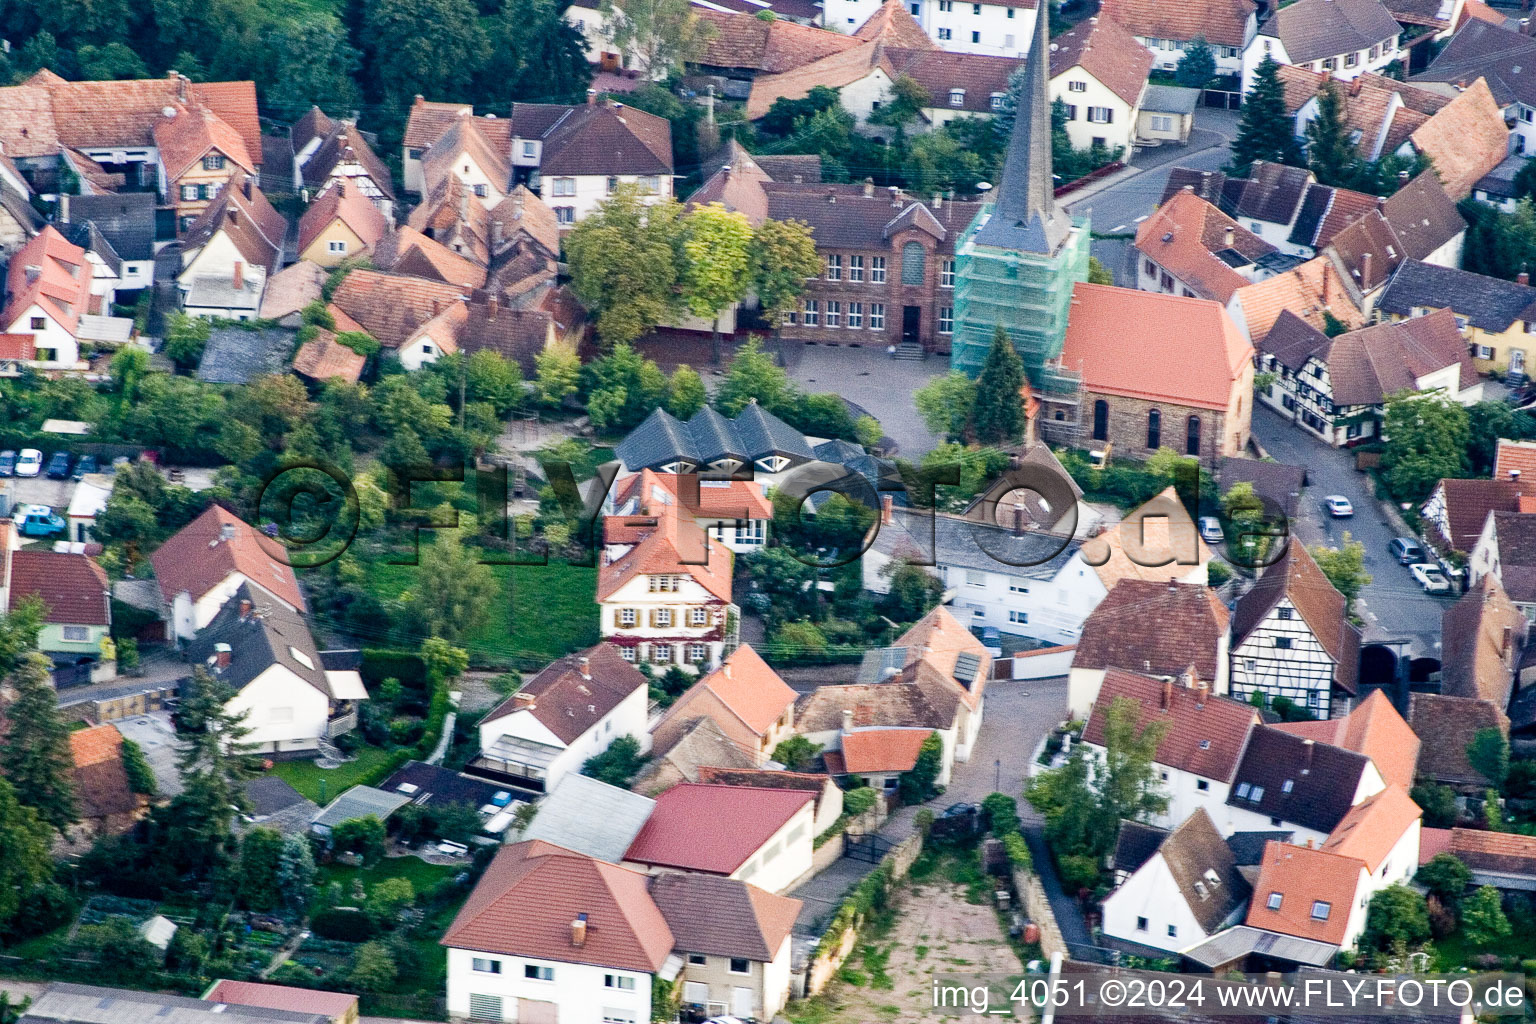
pixel 685 393
pixel 129 366
pixel 557 372
pixel 1198 65
pixel 797 753
pixel 1129 788
pixel 914 591
pixel 185 337
pixel 537 52
pixel 754 376
pixel 314 64
pixel 1396 918
pixel 1439 803
pixel 945 403
pixel 1446 878
pixel 261 852
pixel 1330 154
pixel 627 261
pixel 363 836
pixel 921 783
pixel 1098 273
pixel 1483 920
pixel 19 631
pixel 109 62
pixel 295 873
pixel 373 968
pixel 453 593
pixel 215 762
pixel 618 764
pixel 36 756
pixel 141 778
pixel 389 898
pixel 1488 754
pixel 717 243
pixel 1345 568
pixel 904 104
pixel 1426 441
pixel 1489 421
pixel 622 388
pixel 1265 131
pixel 999 411
pixel 661 35
pixel 490 377
pixel 1499 244
pixel 782 258
pixel 430 47
pixel 443 662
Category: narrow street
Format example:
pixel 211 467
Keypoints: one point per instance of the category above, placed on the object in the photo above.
pixel 1392 605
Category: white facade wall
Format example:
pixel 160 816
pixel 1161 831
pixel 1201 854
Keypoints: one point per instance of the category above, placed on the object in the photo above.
pixel 585 192
pixel 1051 610
pixel 189 615
pixel 1345 65
pixel 680 635
pixel 53 335
pixel 1166 53
pixel 1151 897
pixel 786 857
pixel 988 28
pixel 628 719
pixel 1087 97
pixel 1301 670
pixel 579 992
pixel 282 711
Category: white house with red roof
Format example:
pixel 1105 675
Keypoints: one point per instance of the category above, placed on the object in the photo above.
pixel 664 590
pixel 47 291
pixel 229 251
pixel 75 592
pixel 752 706
pixel 735 512
pixel 571 711
pixel 761 836
pixel 200 567
pixel 1001 28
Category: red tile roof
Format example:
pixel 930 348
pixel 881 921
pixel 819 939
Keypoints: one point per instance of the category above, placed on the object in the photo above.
pixel 752 690
pixel 894 25
pixel 670 545
pixel 1466 139
pixel 1296 578
pixel 882 750
pixel 1184 235
pixel 1373 728
pixel 74 587
pixel 49 272
pixel 194 132
pixel 323 358
pixel 1306 291
pixel 575 693
pixel 349 206
pixel 1303 877
pixel 99 775
pixel 1157 347
pixel 203 554
pixel 392 307
pixel 282 997
pixel 1224 22
pixel 1373 826
pixel 527 899
pixel 1494 851
pixel 740 820
pixel 770 47
pixel 715 499
pixel 1512 456
pixel 1205 735
pixel 1107 51
pixel 1150 626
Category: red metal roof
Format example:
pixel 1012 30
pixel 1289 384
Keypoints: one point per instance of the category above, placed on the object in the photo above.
pixel 715 829
pixel 281 997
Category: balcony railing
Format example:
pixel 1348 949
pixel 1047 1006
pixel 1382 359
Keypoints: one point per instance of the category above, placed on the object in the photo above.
pixel 340 724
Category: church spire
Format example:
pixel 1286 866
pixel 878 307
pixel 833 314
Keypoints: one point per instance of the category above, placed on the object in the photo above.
pixel 1025 215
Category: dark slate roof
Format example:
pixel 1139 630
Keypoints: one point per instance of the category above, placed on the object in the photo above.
pixel 1488 303
pixel 440 785
pixel 1276 481
pixel 1136 844
pixel 1422 216
pixel 1323 779
pixel 1204 871
pixel 1313 29
pixel 1271 192
pixel 595 138
pixel 126 219
pixel 1314 206
pixel 237 355
pixel 1504 59
pixel 271 634
pixel 967 544
pixel 842 216
pixel 662 439
pixel 1208 185
pixel 88 236
pixel 1248 847
pixel 723 916
pixel 787 166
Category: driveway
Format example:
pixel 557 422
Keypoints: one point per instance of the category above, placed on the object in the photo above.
pixel 869 378
pixel 1393 606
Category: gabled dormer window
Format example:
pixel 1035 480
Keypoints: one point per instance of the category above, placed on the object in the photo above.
pixel 957 97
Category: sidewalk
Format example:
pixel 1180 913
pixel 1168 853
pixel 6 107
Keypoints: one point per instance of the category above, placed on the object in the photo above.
pixel 1200 140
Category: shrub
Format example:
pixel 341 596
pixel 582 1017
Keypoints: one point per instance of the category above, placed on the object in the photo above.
pixel 1017 850
pixel 1002 813
pixel 858 800
pixel 923 820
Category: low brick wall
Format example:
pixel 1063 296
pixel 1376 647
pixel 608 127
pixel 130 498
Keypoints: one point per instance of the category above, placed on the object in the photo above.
pixel 822 969
pixel 1038 910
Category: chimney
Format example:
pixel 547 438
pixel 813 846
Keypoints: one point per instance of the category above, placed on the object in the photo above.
pixel 725 670
pixel 869 188
pixel 591 97
pixel 938 200
pixel 181 87
pixel 1309 844
pixel 1402 178
pixel 231 214
pixel 1514 478
pixel 239 274
pixel 221 654
pixel 493 304
pixel 586 667
pixel 1229 236
pixel 847 721
pixel 496 231
pixel 831 196
pixel 1325 287
pixel 579 931
pixel 1307 765
pixel 245 609
pixel 226 531
pixel 887 502
pixel 245 186
pixel 63 206
pixel 1167 694
pixel 33 272
pixel 1506 641
pixel 1524 276
pixel 1365 270
pixel 1202 692
pixel 895 194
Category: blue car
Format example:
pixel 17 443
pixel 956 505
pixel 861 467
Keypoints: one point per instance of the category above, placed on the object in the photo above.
pixel 38 521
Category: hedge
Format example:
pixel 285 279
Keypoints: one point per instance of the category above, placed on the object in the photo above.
pixel 404 664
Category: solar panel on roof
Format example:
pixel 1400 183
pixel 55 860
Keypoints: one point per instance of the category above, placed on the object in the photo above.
pixel 967 666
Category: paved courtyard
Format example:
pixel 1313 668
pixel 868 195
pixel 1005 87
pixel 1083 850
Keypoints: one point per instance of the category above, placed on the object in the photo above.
pixel 869 378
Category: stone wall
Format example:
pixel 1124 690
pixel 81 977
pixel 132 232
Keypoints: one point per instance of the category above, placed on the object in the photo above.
pixel 1037 909
pixel 822 969
pixel 1128 427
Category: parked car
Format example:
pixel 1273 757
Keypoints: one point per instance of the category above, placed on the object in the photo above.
pixel 1338 506
pixel 1406 550
pixel 30 463
pixel 1430 578
pixel 58 466
pixel 1210 530
pixel 37 521
pixel 87 464
pixel 7 462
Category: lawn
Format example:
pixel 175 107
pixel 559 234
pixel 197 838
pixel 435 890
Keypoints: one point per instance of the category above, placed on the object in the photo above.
pixel 418 872
pixel 309 780
pixel 542 613
pixel 1453 951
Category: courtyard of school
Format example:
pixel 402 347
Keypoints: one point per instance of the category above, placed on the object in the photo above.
pixel 941 925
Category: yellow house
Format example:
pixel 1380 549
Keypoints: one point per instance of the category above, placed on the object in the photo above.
pixel 340 224
pixel 1495 316
pixel 199 153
